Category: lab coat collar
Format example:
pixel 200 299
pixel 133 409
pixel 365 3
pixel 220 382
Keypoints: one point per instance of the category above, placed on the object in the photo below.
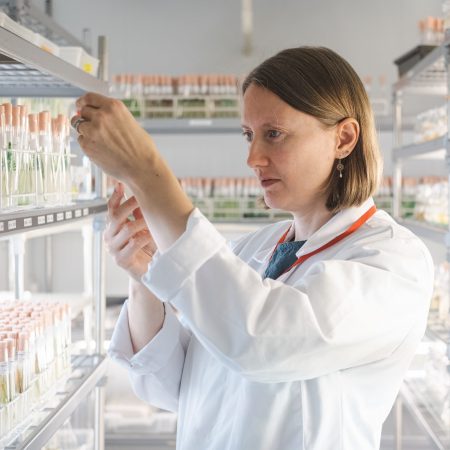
pixel 335 226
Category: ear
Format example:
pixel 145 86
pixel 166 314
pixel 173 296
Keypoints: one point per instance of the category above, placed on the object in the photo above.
pixel 347 134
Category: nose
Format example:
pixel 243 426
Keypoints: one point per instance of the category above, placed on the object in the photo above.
pixel 256 156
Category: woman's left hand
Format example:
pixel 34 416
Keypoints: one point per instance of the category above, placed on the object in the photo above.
pixel 111 137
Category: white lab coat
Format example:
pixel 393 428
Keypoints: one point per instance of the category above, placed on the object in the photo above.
pixel 310 361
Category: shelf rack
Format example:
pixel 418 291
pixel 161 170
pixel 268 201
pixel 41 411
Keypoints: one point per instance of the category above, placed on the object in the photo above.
pixel 44 218
pixel 39 21
pixel 191 126
pixel 87 372
pixel 414 398
pixel 28 71
pixel 429 77
pixel 434 233
pixel 434 149
pixel 228 125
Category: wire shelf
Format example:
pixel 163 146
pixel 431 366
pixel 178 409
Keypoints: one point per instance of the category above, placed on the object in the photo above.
pixel 28 71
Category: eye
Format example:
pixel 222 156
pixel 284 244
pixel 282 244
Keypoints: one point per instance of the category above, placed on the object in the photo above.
pixel 247 135
pixel 273 134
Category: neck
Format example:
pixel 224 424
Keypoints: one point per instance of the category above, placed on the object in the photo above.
pixel 309 220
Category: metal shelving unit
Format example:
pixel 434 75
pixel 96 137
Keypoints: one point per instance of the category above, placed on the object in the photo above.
pixel 226 125
pixel 40 21
pixel 192 126
pixel 46 420
pixel 45 219
pixel 28 71
pixel 434 149
pixel 137 440
pixel 427 78
pixel 432 232
pixel 416 401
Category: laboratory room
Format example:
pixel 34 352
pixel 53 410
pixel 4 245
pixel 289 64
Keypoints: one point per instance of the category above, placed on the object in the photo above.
pixel 224 225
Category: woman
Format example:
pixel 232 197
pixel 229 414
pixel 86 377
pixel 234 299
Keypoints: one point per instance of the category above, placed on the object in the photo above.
pixel 296 336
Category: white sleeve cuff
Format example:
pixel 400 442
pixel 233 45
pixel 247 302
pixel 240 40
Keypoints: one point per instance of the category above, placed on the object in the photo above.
pixel 155 354
pixel 169 270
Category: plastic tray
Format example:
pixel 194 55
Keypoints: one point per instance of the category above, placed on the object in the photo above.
pixel 89 64
pixel 71 54
pixel 79 58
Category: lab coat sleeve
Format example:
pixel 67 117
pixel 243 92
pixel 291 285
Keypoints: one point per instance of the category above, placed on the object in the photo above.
pixel 344 312
pixel 155 371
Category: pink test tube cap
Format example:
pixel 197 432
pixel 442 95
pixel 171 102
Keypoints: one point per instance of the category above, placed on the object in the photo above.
pixel 8 111
pixel 44 120
pixel 33 123
pixel 15 116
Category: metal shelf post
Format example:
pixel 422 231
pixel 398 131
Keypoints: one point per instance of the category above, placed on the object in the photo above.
pixel 398 436
pixel 17 254
pixel 99 272
pixel 428 77
pixel 397 175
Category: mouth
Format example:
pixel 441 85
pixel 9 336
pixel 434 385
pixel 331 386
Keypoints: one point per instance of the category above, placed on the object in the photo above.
pixel 268 182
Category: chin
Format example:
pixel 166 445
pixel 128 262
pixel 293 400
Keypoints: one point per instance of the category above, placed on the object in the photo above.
pixel 274 203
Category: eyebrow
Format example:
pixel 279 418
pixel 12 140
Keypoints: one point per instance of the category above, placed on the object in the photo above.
pixel 265 125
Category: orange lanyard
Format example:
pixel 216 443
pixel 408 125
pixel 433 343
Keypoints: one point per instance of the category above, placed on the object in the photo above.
pixel 351 229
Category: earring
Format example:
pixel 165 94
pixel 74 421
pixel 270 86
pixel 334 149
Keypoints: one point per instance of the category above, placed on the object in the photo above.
pixel 340 168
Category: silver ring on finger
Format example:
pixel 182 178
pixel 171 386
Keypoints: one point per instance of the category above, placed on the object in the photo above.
pixel 77 124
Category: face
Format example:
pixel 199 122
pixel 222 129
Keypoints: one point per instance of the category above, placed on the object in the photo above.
pixel 291 152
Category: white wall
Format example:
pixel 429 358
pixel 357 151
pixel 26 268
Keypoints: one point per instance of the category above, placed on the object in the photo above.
pixel 169 36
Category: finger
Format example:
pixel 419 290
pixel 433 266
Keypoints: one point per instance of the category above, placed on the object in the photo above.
pixel 73 120
pixel 82 127
pixel 82 141
pixel 134 246
pixel 127 232
pixel 121 213
pixel 138 213
pixel 88 112
pixel 85 128
pixel 117 233
pixel 116 196
pixel 92 99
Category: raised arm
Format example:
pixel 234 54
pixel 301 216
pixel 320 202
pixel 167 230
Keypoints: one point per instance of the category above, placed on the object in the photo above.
pixel 112 139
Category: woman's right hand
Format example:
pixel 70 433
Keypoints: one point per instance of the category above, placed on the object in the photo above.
pixel 128 241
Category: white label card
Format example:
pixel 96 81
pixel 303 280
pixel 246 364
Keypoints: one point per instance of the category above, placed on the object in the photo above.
pixel 12 224
pixel 59 217
pixel 41 220
pixel 27 222
pixel 50 218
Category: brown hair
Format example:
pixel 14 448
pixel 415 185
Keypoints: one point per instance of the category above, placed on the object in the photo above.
pixel 319 82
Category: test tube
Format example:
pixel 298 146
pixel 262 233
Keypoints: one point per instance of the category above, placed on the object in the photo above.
pixel 45 144
pixel 4 388
pixel 12 362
